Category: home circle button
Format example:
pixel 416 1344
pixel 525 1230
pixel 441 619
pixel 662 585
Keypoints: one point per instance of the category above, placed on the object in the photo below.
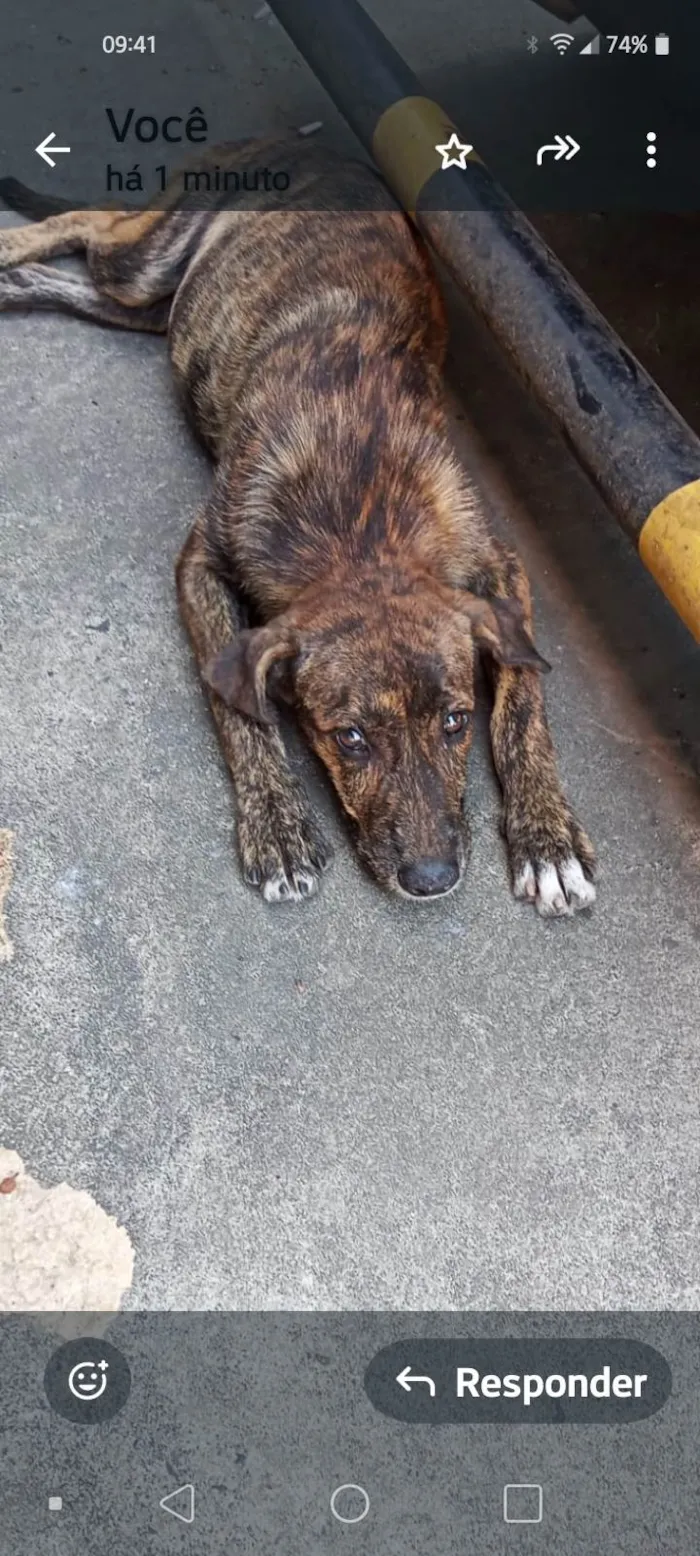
pixel 349 1504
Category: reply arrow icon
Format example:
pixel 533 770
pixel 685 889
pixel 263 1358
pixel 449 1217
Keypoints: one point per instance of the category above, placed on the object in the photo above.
pixel 47 147
pixel 406 1378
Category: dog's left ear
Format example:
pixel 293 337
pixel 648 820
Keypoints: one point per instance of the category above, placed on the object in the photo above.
pixel 499 628
pixel 239 673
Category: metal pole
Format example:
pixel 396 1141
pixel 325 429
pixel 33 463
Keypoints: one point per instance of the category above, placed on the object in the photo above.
pixel 634 445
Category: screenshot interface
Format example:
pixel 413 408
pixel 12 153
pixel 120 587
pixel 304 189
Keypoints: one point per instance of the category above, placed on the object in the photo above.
pixel 362 1223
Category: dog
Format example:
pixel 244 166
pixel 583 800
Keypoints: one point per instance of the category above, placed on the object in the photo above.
pixel 341 566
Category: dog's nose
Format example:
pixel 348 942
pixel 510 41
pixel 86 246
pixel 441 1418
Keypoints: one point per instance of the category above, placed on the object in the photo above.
pixel 429 877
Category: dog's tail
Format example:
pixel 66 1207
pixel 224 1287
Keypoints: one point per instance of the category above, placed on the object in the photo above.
pixel 32 203
pixel 40 286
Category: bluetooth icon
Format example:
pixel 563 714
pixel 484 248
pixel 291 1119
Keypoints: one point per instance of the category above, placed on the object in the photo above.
pixel 532 45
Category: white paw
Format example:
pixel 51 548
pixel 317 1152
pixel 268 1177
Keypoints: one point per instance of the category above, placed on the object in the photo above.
pixel 557 891
pixel 290 888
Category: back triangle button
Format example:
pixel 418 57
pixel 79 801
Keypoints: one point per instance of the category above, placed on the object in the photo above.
pixel 180 1504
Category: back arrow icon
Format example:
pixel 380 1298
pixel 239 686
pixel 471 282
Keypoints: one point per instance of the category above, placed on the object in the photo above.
pixel 46 147
pixel 406 1378
pixel 564 146
pixel 180 1503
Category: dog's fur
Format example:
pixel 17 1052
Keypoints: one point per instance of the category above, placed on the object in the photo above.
pixel 308 343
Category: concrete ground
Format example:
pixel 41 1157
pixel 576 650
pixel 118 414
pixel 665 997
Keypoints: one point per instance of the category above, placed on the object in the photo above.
pixel 351 1103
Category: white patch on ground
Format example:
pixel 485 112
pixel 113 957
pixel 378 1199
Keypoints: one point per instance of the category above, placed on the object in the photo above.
pixel 60 1252
pixel 70 884
pixel 7 949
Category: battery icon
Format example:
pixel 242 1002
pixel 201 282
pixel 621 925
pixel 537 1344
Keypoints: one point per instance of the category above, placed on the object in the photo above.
pixel 661 43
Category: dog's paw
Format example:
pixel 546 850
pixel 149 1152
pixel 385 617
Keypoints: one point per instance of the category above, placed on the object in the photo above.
pixel 556 872
pixel 283 851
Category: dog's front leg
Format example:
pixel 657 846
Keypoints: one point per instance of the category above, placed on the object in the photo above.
pixel 551 858
pixel 282 849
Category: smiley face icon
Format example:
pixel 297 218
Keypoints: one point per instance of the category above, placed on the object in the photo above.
pixel 87 1380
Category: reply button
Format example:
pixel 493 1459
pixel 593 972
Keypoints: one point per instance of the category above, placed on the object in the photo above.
pixel 519 1381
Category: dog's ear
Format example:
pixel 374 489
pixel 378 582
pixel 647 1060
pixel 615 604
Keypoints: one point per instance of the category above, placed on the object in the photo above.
pixel 239 673
pixel 499 627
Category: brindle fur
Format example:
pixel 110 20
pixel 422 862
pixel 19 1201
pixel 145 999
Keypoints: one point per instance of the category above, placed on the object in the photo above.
pixel 308 339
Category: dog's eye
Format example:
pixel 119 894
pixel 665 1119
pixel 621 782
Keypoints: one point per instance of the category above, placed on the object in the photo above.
pixel 455 723
pixel 352 740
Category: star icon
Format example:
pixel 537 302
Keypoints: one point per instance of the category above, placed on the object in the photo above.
pixel 454 153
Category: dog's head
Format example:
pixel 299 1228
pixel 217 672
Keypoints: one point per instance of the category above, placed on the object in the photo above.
pixel 382 683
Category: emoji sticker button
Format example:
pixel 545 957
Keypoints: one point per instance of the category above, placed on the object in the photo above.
pixel 88 1380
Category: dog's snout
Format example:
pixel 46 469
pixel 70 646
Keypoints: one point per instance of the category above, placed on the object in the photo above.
pixel 429 877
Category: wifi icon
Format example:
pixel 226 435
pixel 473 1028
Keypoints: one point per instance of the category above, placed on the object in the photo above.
pixel 562 41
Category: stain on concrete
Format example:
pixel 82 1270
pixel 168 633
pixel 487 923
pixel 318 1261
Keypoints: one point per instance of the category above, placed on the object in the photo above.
pixel 60 1252
pixel 72 885
pixel 7 949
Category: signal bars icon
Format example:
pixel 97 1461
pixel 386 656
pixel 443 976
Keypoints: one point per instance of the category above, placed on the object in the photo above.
pixel 562 41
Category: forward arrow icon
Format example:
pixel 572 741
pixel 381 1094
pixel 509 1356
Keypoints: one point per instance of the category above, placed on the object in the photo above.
pixel 563 146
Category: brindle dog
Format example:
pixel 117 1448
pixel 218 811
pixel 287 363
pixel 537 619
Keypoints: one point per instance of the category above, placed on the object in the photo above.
pixel 307 335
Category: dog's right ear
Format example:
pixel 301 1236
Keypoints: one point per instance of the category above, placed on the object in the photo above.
pixel 499 627
pixel 239 673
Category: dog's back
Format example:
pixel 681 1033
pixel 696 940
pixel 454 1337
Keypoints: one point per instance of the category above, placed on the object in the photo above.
pixel 308 288
pixel 307 335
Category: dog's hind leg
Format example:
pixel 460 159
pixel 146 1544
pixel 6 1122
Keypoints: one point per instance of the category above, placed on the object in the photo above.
pixel 69 233
pixel 40 287
pixel 282 849
pixel 135 257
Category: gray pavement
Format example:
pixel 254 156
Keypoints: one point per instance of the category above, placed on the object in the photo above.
pixel 351 1103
